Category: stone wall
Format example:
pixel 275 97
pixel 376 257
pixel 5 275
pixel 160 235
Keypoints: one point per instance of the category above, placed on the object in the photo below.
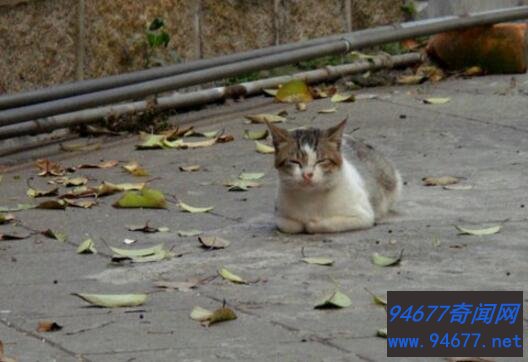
pixel 45 42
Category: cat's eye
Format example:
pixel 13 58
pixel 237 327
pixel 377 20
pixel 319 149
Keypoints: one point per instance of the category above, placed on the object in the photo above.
pixel 324 160
pixel 294 162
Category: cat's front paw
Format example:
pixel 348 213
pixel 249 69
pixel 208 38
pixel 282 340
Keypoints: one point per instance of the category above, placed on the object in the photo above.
pixel 313 226
pixel 289 226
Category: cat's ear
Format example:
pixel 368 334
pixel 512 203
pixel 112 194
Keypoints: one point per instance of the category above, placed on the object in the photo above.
pixel 279 135
pixel 335 134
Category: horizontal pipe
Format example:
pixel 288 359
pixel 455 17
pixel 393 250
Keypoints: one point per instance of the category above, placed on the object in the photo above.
pixel 346 43
pixel 178 100
pixel 114 81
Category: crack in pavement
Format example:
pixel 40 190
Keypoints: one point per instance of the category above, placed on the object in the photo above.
pixel 41 338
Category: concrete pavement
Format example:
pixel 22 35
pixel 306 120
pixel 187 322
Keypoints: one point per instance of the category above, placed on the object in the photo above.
pixel 481 135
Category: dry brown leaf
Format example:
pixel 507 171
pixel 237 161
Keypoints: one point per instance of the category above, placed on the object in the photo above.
pixel 49 168
pixel 190 168
pixel 84 204
pixel 225 138
pixel 440 181
pixel 48 326
pixel 135 169
pixel 52 205
pixel 213 242
pixel 411 79
pixel 102 165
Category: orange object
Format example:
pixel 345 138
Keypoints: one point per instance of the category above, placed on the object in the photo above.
pixel 500 48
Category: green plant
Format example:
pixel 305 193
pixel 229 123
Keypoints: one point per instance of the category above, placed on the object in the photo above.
pixel 157 37
pixel 409 9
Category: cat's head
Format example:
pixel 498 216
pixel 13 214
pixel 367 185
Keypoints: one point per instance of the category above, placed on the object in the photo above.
pixel 308 158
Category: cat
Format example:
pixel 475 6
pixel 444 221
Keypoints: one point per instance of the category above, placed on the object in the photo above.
pixel 322 191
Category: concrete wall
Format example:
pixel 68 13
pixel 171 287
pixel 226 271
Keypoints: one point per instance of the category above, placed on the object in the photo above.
pixel 45 42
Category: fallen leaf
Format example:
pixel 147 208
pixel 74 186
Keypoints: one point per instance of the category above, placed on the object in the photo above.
pixel 48 326
pixel 225 138
pixel 320 92
pixel 151 141
pixel 327 110
pixel 440 181
pixel 194 210
pixel 213 242
pixel 318 261
pixel 294 91
pixel 334 299
pixel 251 176
pixel 241 185
pixel 210 134
pixel 55 235
pixel 6 218
pixel 301 107
pixel 87 247
pixel 473 71
pixel 227 275
pixel 5 237
pixel 155 257
pixel 31 192
pixel 271 92
pixel 66 181
pixel 221 315
pixel 384 261
pixel 409 44
pixel 147 228
pixel 175 133
pixel 265 117
pixel 436 100
pixel 138 253
pixel 101 165
pixel 479 232
pixel 200 314
pixel 458 187
pixel 190 168
pixel 52 205
pixel 129 241
pixel 188 233
pixel 382 332
pixel 263 148
pixel 181 144
pixel 433 73
pixel 49 168
pixel 411 79
pixel 256 135
pixel 377 299
pixel 83 204
pixel 144 198
pixel 338 98
pixel 113 300
pixel 19 207
pixel 75 147
pixel 181 286
pixel 135 169
pixel 108 188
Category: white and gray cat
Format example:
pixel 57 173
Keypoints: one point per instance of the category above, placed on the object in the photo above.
pixel 321 191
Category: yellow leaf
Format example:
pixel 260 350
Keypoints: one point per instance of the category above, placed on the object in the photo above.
pixel 263 148
pixel 327 110
pixel 294 91
pixel 135 169
pixel 479 232
pixel 265 117
pixel 436 100
pixel 194 210
pixel 113 300
pixel 145 198
pixel 227 275
pixel 338 98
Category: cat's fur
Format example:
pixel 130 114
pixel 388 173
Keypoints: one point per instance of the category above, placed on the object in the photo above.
pixel 322 191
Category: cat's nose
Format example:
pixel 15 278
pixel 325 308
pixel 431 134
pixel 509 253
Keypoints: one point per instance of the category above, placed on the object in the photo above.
pixel 307 175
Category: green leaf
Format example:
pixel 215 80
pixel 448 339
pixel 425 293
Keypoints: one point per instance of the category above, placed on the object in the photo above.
pixel 327 110
pixel 113 300
pixel 188 233
pixel 194 210
pixel 251 176
pixel 19 207
pixel 262 148
pixel 213 242
pixel 265 117
pixel 319 261
pixel 227 275
pixel 200 314
pixel 145 198
pixel 87 247
pixel 222 315
pixel 334 299
pixel 436 100
pixel 151 141
pixel 55 235
pixel 384 261
pixel 339 98
pixel 294 91
pixel 479 232
pixel 256 135
pixel 377 299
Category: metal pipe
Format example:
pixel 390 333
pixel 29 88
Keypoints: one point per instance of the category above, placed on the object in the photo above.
pixel 345 44
pixel 114 81
pixel 178 100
